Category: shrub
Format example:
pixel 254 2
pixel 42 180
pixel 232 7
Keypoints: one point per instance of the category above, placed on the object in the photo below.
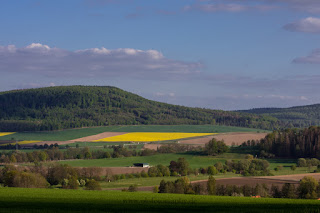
pixel 212 170
pixel 93 185
pixel 132 188
pixel 302 162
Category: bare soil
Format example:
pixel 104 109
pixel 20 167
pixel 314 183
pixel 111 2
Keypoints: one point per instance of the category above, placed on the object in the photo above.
pixel 229 138
pixel 251 181
pixel 123 170
pixel 98 136
pixel 84 139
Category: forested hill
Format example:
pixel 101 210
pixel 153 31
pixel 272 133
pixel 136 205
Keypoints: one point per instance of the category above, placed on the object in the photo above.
pixel 63 107
pixel 300 116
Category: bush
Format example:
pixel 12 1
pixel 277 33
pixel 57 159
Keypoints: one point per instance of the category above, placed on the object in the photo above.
pixel 93 185
pixel 155 189
pixel 25 180
pixel 212 170
pixel 302 162
pixel 132 188
pixel 308 187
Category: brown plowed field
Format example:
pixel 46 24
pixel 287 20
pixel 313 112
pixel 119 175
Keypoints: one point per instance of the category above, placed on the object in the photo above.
pixel 251 181
pixel 4 142
pixel 229 138
pixel 123 170
pixel 84 139
pixel 98 136
pixel 296 177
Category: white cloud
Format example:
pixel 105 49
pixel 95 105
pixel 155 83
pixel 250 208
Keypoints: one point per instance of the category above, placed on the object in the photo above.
pixel 308 25
pixel 171 94
pixel 38 46
pixel 313 58
pixel 226 7
pixel 42 60
pixel 310 6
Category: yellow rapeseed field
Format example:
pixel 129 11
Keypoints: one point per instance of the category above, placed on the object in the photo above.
pixel 6 133
pixel 21 143
pixel 151 136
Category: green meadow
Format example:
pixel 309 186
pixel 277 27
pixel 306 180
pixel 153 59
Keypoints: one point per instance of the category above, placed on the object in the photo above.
pixel 59 201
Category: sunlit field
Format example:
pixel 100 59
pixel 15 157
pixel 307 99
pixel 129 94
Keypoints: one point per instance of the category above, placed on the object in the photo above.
pixel 151 136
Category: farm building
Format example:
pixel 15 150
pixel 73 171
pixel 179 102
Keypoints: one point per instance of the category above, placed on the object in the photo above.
pixel 141 165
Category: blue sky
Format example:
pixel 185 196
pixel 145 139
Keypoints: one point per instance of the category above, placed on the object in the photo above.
pixel 218 54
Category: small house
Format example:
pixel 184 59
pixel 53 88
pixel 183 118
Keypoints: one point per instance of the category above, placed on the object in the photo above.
pixel 141 165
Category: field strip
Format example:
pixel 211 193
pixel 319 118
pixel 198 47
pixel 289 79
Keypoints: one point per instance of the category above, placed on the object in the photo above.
pixel 294 177
pixel 151 136
pixel 239 181
pixel 6 133
pixel 229 138
pixel 98 136
pixel 21 143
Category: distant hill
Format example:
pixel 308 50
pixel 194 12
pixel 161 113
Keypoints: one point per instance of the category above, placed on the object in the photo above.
pixel 300 116
pixel 63 107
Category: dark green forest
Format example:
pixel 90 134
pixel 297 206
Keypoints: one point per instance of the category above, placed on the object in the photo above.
pixel 298 117
pixel 291 143
pixel 63 107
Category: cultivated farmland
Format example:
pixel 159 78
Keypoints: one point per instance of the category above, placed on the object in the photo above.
pixel 151 136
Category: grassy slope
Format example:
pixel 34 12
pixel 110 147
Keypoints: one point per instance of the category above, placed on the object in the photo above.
pixel 50 200
pixel 70 134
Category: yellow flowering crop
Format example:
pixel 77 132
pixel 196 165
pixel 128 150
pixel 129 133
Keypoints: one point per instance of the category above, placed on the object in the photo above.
pixel 151 136
pixel 21 143
pixel 6 133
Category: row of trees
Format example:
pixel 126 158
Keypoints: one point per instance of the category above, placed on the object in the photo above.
pixel 308 188
pixel 54 153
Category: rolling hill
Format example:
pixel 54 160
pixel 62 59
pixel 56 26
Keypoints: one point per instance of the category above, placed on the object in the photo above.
pixel 64 107
pixel 299 116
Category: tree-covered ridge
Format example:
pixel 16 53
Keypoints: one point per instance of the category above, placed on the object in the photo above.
pixel 300 116
pixel 63 107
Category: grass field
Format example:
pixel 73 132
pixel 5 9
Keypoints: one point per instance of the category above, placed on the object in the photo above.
pixel 71 134
pixel 194 161
pixel 57 201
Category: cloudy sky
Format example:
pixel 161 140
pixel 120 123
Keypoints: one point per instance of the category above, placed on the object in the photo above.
pixel 218 54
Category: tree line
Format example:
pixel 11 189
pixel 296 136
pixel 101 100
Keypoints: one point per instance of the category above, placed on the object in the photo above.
pixel 289 143
pixel 307 188
pixel 52 152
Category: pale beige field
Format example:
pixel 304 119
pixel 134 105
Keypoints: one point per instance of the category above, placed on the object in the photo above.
pixel 229 138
